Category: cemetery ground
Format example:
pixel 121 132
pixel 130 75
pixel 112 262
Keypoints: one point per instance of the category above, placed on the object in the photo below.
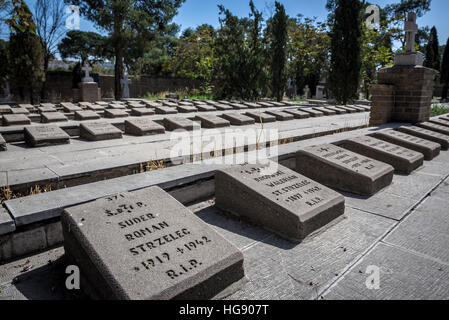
pixel 90 184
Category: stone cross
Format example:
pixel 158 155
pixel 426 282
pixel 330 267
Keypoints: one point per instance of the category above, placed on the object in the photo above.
pixel 411 29
pixel 126 82
pixel 87 77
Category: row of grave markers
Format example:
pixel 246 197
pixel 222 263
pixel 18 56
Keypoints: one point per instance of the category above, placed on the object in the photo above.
pixel 146 245
pixel 45 135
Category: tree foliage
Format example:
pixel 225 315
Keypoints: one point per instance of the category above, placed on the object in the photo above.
pixel 308 52
pixel 128 22
pixel 239 68
pixel 85 46
pixel 345 62
pixel 26 54
pixel 278 51
pixel 433 59
pixel 445 70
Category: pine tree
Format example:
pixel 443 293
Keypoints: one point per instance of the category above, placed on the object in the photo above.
pixel 433 51
pixel 346 35
pixel 278 48
pixel 445 71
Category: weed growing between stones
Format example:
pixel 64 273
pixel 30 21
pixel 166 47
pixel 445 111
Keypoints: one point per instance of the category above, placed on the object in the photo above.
pixel 438 110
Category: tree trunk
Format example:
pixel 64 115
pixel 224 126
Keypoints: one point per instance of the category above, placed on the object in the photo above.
pixel 118 73
pixel 444 93
pixel 44 84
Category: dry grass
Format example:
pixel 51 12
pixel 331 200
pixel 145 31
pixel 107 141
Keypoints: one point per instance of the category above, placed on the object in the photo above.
pixel 151 166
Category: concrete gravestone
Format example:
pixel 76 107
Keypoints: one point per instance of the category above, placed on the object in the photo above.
pixel 344 170
pixel 115 113
pixel 38 136
pixel 49 117
pixel 97 131
pixel 428 148
pixel 282 201
pixel 261 117
pixel 402 159
pixel 440 122
pixel 298 114
pixel 422 133
pixel 211 121
pixel 140 112
pixel 312 112
pixel 280 115
pixel 434 127
pixel 237 119
pixel 86 115
pixel 205 108
pixel 142 127
pixel 145 245
pixel 166 110
pixel 15 120
pixel 176 123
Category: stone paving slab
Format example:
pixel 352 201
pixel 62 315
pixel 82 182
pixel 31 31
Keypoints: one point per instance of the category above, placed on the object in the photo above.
pixel 426 230
pixel 403 276
pixel 278 270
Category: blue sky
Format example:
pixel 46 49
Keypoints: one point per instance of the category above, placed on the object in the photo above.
pixel 197 12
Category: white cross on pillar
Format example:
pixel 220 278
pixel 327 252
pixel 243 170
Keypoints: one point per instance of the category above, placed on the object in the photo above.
pixel 125 83
pixel 87 77
pixel 411 29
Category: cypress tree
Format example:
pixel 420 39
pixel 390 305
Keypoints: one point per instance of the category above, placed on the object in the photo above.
pixel 445 71
pixel 346 36
pixel 278 49
pixel 433 51
pixel 26 54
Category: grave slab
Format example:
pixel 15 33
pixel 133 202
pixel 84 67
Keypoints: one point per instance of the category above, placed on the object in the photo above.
pixel 26 106
pixel 5 109
pixel 115 113
pixel 50 117
pixel 403 160
pixel 265 104
pixel 440 122
pixel 238 119
pixel 261 116
pixel 428 148
pixel 7 224
pixel 3 146
pixel 337 110
pixel 344 170
pixel 70 107
pixel 152 104
pixel 140 112
pixel 359 109
pixel 238 106
pixel 220 106
pixel 86 115
pixel 212 121
pixel 434 127
pixel 179 123
pixel 95 107
pixel 46 109
pixel 145 245
pixel 298 114
pixel 281 116
pixel 312 112
pixel 279 200
pixel 205 108
pixel 252 105
pixel 189 108
pixel 143 127
pixel 326 111
pixel 277 104
pixel 39 136
pixel 20 111
pixel 347 109
pixel 169 104
pixel 98 131
pixel 116 107
pixel 15 120
pixel 166 110
pixel 422 133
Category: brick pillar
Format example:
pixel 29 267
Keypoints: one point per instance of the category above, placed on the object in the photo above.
pixel 412 93
pixel 382 102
